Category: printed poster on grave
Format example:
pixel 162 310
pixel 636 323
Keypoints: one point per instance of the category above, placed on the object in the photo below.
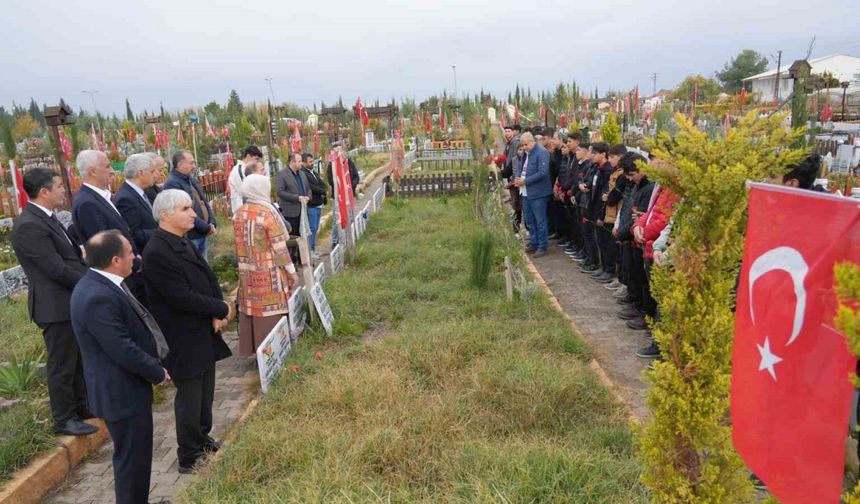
pixel 272 353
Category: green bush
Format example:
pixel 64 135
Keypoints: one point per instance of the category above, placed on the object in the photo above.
pixel 25 432
pixel 17 379
pixel 481 258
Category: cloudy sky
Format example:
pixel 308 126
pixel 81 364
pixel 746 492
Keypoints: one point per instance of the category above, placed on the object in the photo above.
pixel 189 52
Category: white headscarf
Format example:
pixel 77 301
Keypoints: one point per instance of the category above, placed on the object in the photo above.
pixel 257 189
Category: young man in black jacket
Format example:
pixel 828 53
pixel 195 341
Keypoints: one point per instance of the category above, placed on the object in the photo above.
pixel 637 194
pixel 594 187
pixel 589 255
pixel 605 221
pixel 317 201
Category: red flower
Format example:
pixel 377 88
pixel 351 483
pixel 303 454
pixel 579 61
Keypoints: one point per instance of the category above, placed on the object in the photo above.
pixel 319 355
pixel 295 368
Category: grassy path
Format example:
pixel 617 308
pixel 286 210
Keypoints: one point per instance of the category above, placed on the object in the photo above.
pixel 430 390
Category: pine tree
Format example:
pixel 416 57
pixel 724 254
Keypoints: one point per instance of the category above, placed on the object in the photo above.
pixel 9 147
pixel 234 105
pixel 129 115
pixel 35 112
pixel 686 445
pixel 611 131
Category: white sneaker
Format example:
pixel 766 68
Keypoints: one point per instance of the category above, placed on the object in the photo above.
pixel 614 284
pixel 314 256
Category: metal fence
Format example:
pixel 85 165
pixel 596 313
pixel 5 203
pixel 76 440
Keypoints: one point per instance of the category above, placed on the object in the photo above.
pixel 444 154
pixel 434 184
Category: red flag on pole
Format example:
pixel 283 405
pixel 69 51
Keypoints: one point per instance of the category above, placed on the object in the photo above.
pixel 179 138
pixel 427 125
pixel 21 195
pixel 826 113
pixel 790 392
pixel 441 119
pixel 296 141
pixel 516 114
pixel 229 163
pixel 316 142
pixel 743 96
pixel 345 200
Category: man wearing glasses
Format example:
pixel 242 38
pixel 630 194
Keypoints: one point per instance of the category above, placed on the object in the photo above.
pixel 181 178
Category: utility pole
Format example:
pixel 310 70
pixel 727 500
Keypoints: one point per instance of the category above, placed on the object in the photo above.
pixel 776 85
pixel 271 90
pixel 654 85
pixel 95 110
pixel 454 67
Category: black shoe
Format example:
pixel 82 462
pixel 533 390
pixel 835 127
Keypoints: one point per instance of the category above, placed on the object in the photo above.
pixel 562 243
pixel 757 483
pixel 652 351
pixel 539 253
pixel 570 251
pixel 162 501
pixel 211 445
pixel 605 278
pixel 629 313
pixel 530 250
pixel 195 466
pixel 588 268
pixel 625 301
pixel 75 428
pixel 554 236
pixel 637 324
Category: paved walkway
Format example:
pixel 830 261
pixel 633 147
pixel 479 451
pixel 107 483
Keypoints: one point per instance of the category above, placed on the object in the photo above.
pixel 236 383
pixel 593 309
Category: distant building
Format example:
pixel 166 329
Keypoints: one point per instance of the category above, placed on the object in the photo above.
pixel 843 67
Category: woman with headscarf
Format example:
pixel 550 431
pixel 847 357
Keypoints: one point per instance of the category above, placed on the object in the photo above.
pixel 266 271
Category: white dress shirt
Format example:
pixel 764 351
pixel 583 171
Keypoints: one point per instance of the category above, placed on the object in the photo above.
pixel 104 193
pixel 115 279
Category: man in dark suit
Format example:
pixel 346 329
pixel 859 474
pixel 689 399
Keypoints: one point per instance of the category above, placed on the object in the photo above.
pixel 121 346
pixel 53 263
pixel 293 188
pixel 187 302
pixel 93 209
pixel 131 200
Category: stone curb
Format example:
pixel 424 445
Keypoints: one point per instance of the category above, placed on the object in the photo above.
pixel 31 483
pixel 607 382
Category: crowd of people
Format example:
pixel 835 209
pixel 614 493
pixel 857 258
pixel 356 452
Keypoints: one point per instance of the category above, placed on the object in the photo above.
pixel 126 299
pixel 593 201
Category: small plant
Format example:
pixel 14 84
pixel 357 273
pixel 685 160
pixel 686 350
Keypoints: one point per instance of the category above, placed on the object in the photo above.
pixel 481 258
pixel 17 378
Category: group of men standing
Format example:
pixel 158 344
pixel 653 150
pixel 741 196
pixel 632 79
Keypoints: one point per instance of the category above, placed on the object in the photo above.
pixel 125 300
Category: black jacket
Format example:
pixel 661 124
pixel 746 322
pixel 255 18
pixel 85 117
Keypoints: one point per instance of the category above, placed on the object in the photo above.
pixel 596 206
pixel 53 265
pixel 318 189
pixel 136 213
pixel 586 174
pixel 633 198
pixel 188 184
pixel 554 165
pixel 92 213
pixel 119 352
pixel 184 297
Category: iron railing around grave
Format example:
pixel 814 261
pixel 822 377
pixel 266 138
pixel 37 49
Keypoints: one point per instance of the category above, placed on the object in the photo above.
pixel 434 184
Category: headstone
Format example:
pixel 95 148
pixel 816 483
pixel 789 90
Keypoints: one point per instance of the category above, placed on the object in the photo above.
pixel 12 280
pixel 272 353
pixel 323 308
pixel 319 274
pixel 336 258
pixel 298 306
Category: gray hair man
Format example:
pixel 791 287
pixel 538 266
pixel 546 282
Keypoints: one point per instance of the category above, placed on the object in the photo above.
pixel 182 178
pixel 131 199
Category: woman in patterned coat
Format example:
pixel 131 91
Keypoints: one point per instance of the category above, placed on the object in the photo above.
pixel 266 272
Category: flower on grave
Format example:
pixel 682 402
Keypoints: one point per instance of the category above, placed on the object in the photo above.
pixel 295 368
pixel 319 355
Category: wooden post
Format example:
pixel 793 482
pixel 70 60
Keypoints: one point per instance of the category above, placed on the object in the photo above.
pixel 305 254
pixel 509 280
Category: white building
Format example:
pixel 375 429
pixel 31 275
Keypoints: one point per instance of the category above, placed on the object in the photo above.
pixel 843 67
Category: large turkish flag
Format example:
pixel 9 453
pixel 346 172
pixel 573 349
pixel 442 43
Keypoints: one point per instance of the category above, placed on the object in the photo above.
pixel 791 395
pixel 345 200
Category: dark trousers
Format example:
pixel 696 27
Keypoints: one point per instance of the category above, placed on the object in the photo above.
pixel 638 286
pixel 560 216
pixel 626 263
pixel 649 304
pixel 574 225
pixel 295 224
pixel 132 458
pixel 517 205
pixel 589 238
pixel 551 215
pixel 66 388
pixel 193 410
pixel 606 245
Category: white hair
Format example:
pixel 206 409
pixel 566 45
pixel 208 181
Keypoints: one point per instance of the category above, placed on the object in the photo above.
pixel 167 201
pixel 135 164
pixel 86 159
pixel 527 136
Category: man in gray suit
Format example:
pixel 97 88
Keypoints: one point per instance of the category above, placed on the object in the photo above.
pixel 293 188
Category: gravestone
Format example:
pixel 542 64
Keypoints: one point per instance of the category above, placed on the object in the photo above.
pixel 336 258
pixel 272 353
pixel 298 306
pixel 323 308
pixel 319 274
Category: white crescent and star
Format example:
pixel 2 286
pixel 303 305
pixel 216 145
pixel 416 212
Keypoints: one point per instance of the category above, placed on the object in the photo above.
pixel 791 261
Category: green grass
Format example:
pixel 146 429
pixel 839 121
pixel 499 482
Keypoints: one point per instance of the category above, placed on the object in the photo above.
pixel 460 397
pixel 25 432
pixel 18 335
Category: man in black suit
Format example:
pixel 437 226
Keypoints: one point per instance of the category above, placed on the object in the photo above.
pixel 131 200
pixel 122 346
pixel 53 263
pixel 93 209
pixel 187 302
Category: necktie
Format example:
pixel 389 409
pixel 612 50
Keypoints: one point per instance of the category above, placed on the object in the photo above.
pixel 143 313
pixel 58 226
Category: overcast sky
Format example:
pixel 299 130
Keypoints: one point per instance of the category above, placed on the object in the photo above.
pixel 189 52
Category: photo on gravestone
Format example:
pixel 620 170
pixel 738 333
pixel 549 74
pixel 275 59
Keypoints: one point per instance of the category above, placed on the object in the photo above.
pixel 13 280
pixel 336 259
pixel 319 274
pixel 298 306
pixel 323 308
pixel 272 353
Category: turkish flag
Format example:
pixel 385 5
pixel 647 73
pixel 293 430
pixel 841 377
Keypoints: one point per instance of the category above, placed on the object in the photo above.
pixel 790 392
pixel 343 189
